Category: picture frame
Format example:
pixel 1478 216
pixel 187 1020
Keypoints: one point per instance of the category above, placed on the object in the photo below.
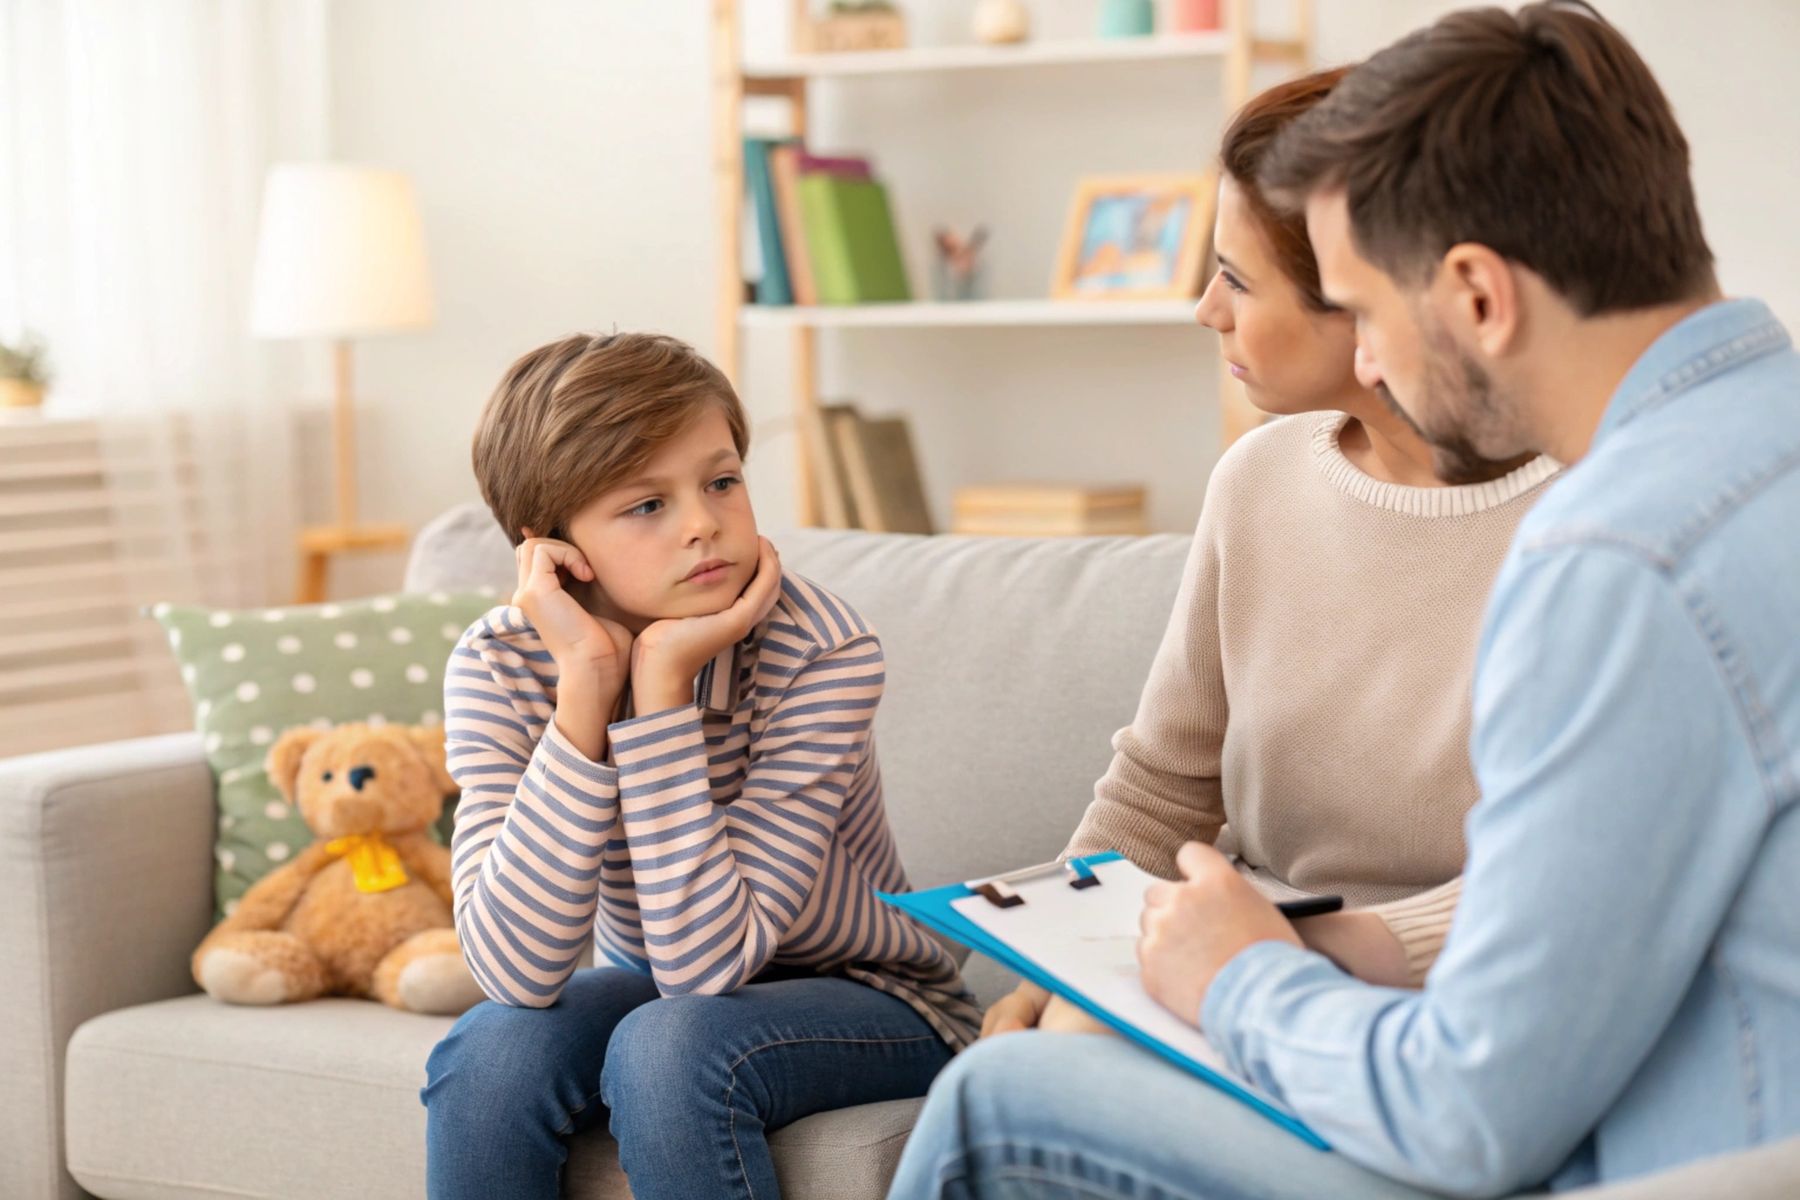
pixel 1136 237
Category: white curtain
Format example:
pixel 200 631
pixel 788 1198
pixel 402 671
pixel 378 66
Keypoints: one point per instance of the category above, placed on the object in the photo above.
pixel 134 139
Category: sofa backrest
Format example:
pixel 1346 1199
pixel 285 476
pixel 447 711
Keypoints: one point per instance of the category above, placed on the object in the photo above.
pixel 1010 665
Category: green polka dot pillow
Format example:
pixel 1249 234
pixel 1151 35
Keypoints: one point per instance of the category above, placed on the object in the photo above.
pixel 254 672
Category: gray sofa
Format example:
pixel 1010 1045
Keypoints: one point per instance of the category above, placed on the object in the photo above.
pixel 1010 664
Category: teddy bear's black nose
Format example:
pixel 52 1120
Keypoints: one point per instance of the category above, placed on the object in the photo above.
pixel 360 776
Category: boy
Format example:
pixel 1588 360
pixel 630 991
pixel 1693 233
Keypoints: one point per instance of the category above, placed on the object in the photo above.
pixel 664 744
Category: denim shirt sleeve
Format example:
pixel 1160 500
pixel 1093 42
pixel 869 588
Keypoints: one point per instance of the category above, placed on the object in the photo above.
pixel 1618 817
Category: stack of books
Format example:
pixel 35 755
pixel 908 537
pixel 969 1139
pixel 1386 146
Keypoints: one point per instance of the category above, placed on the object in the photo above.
pixel 1050 510
pixel 824 230
pixel 866 471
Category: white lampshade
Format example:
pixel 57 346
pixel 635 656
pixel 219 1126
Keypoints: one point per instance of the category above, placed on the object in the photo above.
pixel 340 253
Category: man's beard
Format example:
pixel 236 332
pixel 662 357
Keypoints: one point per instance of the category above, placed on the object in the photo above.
pixel 1454 457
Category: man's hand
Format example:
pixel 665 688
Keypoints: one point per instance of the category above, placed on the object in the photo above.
pixel 670 653
pixel 580 642
pixel 1192 928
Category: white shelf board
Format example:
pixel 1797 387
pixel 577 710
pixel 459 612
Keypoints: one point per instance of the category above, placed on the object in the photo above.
pixel 924 59
pixel 973 313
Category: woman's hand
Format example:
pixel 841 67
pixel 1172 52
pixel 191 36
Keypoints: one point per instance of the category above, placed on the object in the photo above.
pixel 670 653
pixel 1061 1016
pixel 580 642
pixel 1029 1006
pixel 1021 1008
pixel 1360 943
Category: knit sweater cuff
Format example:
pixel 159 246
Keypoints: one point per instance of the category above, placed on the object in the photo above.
pixel 1420 923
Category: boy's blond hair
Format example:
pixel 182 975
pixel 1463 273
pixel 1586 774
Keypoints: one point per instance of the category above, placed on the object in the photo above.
pixel 575 418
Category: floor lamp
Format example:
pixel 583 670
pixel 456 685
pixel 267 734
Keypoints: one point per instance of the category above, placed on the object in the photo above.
pixel 340 254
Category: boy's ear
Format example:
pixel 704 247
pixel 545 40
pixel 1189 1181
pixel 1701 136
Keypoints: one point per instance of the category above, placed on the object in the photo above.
pixel 283 762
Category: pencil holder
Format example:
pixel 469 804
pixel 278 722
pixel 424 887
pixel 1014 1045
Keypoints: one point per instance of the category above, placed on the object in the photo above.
pixel 949 285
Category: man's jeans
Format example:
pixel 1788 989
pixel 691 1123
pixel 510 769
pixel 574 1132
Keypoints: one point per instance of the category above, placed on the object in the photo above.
pixel 1068 1116
pixel 690 1084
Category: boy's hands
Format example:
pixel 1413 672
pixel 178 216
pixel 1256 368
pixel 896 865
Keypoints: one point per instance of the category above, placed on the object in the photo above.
pixel 580 642
pixel 667 655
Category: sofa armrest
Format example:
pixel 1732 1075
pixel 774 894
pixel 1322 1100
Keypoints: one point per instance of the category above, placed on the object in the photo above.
pixel 107 856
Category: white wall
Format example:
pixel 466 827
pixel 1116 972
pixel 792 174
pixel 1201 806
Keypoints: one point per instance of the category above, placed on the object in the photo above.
pixel 561 150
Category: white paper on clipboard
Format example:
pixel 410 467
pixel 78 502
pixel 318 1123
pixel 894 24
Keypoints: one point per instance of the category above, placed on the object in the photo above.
pixel 1087 938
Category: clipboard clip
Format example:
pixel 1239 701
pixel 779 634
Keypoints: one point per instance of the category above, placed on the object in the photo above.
pixel 999 890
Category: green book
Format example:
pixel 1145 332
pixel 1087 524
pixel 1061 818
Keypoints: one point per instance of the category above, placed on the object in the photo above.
pixel 850 237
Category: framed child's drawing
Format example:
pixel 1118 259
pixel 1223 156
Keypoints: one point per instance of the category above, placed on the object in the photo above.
pixel 1136 237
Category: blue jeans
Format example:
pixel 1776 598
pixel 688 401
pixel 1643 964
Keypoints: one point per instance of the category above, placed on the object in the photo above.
pixel 1065 1116
pixel 689 1084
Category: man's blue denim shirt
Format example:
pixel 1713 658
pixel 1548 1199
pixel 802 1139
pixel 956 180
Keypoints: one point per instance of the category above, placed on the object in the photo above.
pixel 1620 991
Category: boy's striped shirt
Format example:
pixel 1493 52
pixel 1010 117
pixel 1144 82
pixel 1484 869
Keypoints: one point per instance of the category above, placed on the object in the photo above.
pixel 744 830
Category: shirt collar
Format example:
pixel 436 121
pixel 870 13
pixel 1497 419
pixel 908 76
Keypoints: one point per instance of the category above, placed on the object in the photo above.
pixel 1699 346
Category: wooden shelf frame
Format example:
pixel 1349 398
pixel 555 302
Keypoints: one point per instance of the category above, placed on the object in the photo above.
pixel 1237 47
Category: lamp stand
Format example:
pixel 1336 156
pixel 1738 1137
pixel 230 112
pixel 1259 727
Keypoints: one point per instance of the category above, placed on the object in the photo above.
pixel 320 543
pixel 343 433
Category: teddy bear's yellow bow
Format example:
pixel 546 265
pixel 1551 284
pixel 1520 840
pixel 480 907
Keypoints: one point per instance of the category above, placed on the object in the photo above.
pixel 375 864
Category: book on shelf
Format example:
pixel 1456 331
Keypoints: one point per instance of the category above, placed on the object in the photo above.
pixel 1050 510
pixel 784 170
pixel 868 472
pixel 837 509
pixel 1071 499
pixel 1049 527
pixel 849 166
pixel 774 286
pixel 824 228
pixel 850 239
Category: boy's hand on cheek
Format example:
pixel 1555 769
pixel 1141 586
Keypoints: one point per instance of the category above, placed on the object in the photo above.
pixel 578 641
pixel 667 655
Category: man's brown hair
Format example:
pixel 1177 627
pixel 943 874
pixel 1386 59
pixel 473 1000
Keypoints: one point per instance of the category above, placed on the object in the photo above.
pixel 575 418
pixel 1541 135
pixel 1247 139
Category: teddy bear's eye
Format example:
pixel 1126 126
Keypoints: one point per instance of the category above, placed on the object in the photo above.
pixel 328 777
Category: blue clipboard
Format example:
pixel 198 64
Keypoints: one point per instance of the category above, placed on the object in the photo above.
pixel 933 909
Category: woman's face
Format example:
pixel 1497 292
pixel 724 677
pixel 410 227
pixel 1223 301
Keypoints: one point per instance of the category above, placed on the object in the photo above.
pixel 1290 358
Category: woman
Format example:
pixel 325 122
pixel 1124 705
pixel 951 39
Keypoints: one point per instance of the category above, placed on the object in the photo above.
pixel 1308 710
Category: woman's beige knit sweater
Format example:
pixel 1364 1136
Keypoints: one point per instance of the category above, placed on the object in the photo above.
pixel 1308 709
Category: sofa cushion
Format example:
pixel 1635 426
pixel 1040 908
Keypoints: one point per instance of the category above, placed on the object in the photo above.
pixel 1011 662
pixel 252 673
pixel 190 1097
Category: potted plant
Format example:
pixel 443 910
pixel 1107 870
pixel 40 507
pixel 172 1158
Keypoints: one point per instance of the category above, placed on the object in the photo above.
pixel 22 373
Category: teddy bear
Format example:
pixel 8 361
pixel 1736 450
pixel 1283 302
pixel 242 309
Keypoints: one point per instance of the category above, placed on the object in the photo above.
pixel 366 909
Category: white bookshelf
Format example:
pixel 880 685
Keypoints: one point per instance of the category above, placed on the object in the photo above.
pixel 977 313
pixel 789 77
pixel 927 59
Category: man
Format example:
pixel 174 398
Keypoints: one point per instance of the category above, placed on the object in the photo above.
pixel 1503 204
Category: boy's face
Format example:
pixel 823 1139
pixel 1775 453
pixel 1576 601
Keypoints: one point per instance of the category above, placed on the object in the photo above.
pixel 686 509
